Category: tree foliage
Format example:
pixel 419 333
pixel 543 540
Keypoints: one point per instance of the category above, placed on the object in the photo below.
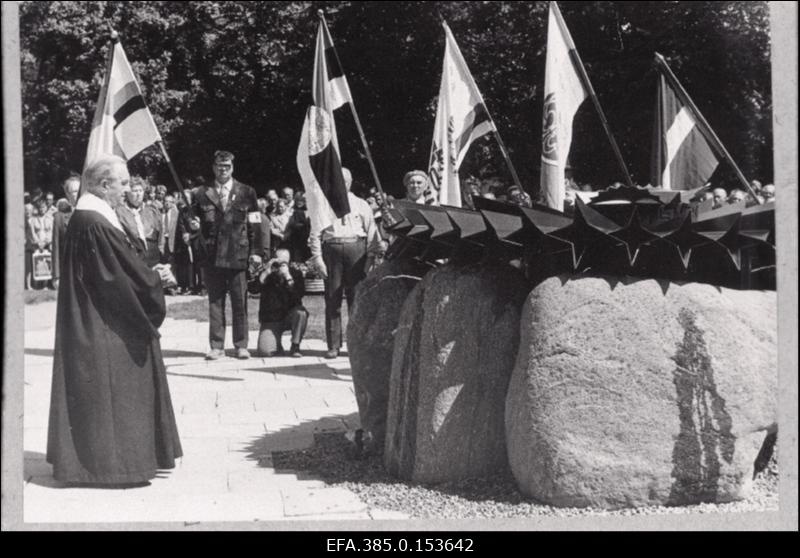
pixel 237 75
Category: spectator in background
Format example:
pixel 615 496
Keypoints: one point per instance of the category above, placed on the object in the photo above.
pixel 737 196
pixel 262 205
pixel 40 227
pixel 49 199
pixel 187 266
pixel 29 248
pixel 756 186
pixel 720 196
pixel 298 229
pixel 278 222
pixel 272 201
pixel 149 193
pixel 281 286
pixel 768 192
pixel 287 194
pixel 415 182
pixel 141 222
pixel 72 186
pixel 518 197
pixel 161 193
pixel 169 224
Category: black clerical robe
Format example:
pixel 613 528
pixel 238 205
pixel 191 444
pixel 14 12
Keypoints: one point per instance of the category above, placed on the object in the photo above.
pixel 111 417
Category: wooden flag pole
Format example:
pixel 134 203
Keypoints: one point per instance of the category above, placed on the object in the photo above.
pixel 584 77
pixel 172 170
pixel 355 114
pixel 705 128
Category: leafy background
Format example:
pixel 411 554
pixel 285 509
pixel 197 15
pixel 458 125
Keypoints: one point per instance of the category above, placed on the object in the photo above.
pixel 237 76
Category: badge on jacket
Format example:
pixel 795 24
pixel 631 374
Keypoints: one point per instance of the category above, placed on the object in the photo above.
pixel 254 217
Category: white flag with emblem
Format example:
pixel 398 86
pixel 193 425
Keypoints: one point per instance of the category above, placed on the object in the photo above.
pixel 461 118
pixel 563 94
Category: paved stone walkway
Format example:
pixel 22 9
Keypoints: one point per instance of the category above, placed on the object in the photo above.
pixel 231 415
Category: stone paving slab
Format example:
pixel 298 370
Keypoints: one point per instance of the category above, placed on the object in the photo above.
pixel 231 414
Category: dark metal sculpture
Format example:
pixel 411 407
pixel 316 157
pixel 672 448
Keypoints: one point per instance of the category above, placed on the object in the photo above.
pixel 622 231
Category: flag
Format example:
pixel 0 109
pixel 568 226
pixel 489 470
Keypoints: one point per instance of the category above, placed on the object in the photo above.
pixel 564 92
pixel 329 86
pixel 461 118
pixel 122 123
pixel 321 170
pixel 683 159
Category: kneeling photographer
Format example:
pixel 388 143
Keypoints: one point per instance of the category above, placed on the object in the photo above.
pixel 281 287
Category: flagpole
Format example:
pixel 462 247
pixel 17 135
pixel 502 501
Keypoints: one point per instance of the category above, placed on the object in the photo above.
pixel 355 114
pixel 584 77
pixel 172 169
pixel 500 141
pixel 705 127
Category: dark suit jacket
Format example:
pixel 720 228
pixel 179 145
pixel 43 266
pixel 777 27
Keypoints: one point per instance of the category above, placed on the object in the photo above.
pixel 151 220
pixel 60 222
pixel 231 236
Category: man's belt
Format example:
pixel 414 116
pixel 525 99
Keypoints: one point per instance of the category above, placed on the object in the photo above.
pixel 345 240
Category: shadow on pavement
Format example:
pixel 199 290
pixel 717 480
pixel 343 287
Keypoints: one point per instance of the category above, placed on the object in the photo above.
pixel 39 352
pixel 312 371
pixel 332 459
pixel 36 470
pixel 174 353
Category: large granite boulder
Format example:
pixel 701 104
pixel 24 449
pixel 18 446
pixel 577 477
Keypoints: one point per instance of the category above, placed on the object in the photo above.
pixel 641 392
pixel 453 355
pixel 370 338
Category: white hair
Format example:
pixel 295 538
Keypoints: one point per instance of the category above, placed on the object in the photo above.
pixel 101 169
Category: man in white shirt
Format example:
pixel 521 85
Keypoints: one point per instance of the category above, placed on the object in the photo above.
pixel 343 253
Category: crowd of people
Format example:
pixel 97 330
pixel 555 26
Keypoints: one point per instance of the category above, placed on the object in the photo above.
pixel 154 218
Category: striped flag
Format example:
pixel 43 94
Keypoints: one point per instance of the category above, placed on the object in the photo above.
pixel 122 123
pixel 683 159
pixel 321 170
pixel 461 118
pixel 564 92
pixel 329 86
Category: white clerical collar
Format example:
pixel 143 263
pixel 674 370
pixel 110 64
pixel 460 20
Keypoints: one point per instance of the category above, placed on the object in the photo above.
pixel 90 202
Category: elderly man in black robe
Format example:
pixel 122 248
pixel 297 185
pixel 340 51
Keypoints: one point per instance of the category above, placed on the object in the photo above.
pixel 111 417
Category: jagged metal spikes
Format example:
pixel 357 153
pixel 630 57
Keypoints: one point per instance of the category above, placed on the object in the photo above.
pixel 724 231
pixel 470 224
pixel 587 227
pixel 684 239
pixel 538 222
pixel 442 227
pixel 758 223
pixel 634 236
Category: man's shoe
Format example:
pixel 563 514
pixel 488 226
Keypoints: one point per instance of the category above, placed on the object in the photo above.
pixel 332 353
pixel 215 354
pixel 295 351
pixel 242 354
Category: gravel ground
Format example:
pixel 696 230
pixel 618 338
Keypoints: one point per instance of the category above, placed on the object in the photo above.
pixel 331 460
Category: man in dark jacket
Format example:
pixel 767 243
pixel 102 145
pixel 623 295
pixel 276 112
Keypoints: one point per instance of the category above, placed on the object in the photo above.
pixel 72 186
pixel 282 288
pixel 229 222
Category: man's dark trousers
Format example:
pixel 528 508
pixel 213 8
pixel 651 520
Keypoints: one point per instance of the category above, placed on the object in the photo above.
pixel 220 281
pixel 344 260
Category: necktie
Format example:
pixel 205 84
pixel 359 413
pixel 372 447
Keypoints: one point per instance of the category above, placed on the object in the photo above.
pixel 139 225
pixel 223 196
